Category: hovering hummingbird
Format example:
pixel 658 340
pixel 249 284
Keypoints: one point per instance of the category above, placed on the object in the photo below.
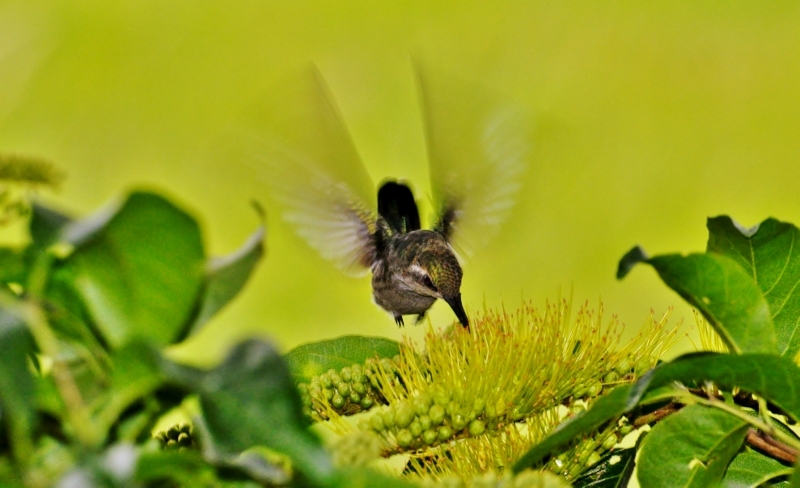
pixel 477 147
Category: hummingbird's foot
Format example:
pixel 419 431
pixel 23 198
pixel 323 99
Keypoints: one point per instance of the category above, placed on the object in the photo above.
pixel 398 319
pixel 419 318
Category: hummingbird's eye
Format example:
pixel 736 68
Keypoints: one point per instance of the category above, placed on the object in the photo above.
pixel 426 280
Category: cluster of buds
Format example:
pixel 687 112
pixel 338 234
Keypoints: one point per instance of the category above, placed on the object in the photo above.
pixel 428 420
pixel 624 370
pixel 177 437
pixel 588 452
pixel 351 390
pixel 490 479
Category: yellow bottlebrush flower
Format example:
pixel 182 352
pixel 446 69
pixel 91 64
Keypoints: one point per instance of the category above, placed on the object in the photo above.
pixel 470 402
pixel 709 339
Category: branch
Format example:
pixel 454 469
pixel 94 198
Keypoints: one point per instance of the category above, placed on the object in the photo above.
pixel 657 415
pixel 771 446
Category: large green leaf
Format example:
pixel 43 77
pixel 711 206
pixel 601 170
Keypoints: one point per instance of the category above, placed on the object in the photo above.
pixel 314 358
pixel 225 277
pixel 774 378
pixel 751 469
pixel 250 400
pixel 767 254
pixel 138 268
pixel 690 448
pixel 614 470
pixel 722 290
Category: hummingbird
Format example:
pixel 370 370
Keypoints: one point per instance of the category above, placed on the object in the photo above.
pixel 412 267
pixel 477 144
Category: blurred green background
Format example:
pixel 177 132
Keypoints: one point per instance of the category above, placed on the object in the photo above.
pixel 651 116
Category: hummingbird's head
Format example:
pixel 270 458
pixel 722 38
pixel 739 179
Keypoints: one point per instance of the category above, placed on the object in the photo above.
pixel 437 271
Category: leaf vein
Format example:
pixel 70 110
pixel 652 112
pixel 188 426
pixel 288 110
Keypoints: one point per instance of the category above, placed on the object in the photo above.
pixel 785 266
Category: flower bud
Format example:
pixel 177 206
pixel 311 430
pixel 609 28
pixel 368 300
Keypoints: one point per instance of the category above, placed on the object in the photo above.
pixel 425 422
pixel 388 418
pixel 415 428
pixel 403 414
pixel 610 441
pixel 436 413
pixel 404 438
pixel 476 428
pixel 337 401
pixel 624 366
pixel 458 421
pixel 376 422
pixel 359 388
pixel 325 380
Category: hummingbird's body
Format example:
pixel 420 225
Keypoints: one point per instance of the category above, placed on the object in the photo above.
pixel 477 147
pixel 414 270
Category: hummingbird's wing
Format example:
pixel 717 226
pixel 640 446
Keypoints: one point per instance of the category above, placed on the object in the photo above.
pixel 313 168
pixel 478 147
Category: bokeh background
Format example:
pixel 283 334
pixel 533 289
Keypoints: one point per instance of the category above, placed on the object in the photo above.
pixel 651 116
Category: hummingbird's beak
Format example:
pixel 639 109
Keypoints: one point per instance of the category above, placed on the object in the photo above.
pixel 455 303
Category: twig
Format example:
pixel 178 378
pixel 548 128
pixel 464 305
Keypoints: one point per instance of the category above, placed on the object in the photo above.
pixel 657 415
pixel 771 446
pixel 756 422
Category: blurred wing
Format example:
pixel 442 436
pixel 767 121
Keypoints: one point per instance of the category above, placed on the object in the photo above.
pixel 312 167
pixel 478 148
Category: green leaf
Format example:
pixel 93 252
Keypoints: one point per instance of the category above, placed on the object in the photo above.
pixel 13 266
pixel 137 373
pixel 767 254
pixel 186 468
pixel 774 378
pixel 614 470
pixel 367 478
pixel 750 469
pixel 138 268
pixel 629 260
pixel 67 314
pixel 794 480
pixel 17 386
pixel 725 294
pixel 45 225
pixel 250 400
pixel 690 448
pixel 225 277
pixel 314 358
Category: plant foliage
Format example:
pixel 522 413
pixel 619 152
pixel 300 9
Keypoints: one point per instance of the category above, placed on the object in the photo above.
pixel 87 307
pixel 730 428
